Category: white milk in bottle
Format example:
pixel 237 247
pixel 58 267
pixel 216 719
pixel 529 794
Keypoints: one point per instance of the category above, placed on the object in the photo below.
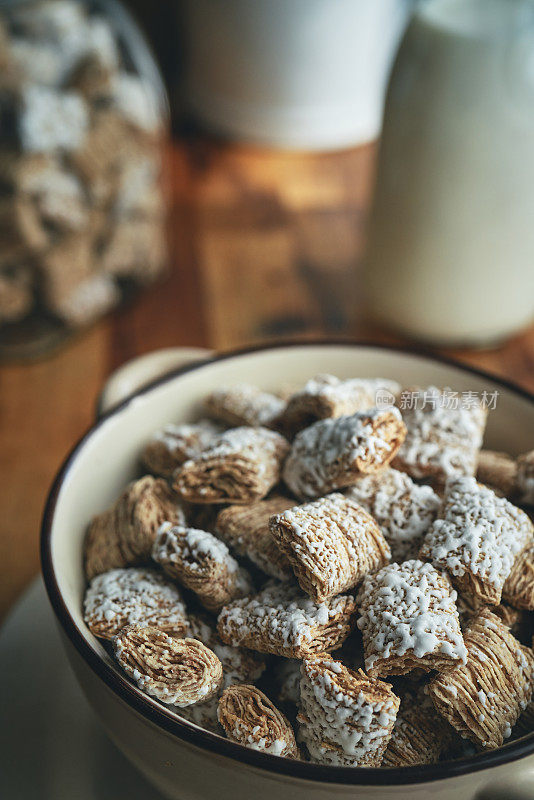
pixel 451 242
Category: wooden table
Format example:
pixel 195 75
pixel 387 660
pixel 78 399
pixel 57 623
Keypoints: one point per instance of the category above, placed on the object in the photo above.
pixel 265 246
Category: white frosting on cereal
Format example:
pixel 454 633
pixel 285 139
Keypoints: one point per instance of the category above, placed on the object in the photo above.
pixel 361 391
pixel 192 545
pixel 133 596
pixel 90 298
pixel 410 609
pixel 477 532
pixel 280 611
pixel 36 62
pixel 313 462
pixel 441 440
pixel 342 725
pixel 51 120
pixel 403 509
pixel 135 101
pixel 246 401
pixel 237 440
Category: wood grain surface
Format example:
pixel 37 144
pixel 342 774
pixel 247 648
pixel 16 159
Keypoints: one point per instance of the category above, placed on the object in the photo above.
pixel 264 246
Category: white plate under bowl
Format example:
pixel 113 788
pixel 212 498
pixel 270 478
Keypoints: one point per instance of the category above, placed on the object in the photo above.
pixel 52 746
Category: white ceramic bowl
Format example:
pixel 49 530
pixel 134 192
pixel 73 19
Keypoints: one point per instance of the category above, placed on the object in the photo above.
pixel 182 760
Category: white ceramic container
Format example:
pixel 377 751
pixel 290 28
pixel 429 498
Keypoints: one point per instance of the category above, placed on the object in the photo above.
pixel 183 761
pixel 304 74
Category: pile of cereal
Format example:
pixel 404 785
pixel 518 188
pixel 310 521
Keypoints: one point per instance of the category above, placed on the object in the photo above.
pixel 81 206
pixel 322 578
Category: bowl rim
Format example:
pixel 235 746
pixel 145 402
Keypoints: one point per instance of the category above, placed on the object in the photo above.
pixel 192 734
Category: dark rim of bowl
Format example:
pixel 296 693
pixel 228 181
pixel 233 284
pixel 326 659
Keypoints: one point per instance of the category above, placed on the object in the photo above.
pixel 157 714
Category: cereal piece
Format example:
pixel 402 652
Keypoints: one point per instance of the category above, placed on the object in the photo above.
pixel 101 146
pixel 202 563
pixel 476 538
pixel 498 471
pixel 441 441
pixel 57 194
pixel 70 34
pixel 102 548
pixel 127 596
pixel 177 672
pixel 246 530
pixel 326 396
pixel 518 589
pixel 52 120
pixel 36 62
pixel 249 718
pixel 282 621
pixel 90 78
pixel 124 535
pixel 243 404
pixel 409 620
pixel 333 453
pixel 136 249
pixel 240 466
pixel 65 267
pixel 420 735
pixel 139 193
pixel 135 102
pixel 508 477
pixel 346 718
pixel 331 544
pixel 141 510
pixel 525 479
pixel 239 666
pixel 169 448
pixel 88 301
pixel 483 698
pixel 404 510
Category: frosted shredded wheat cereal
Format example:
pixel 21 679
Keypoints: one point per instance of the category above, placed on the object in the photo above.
pixel 326 396
pixel 249 718
pixel 243 404
pixel 240 466
pixel 202 563
pixel 331 544
pixel 282 621
pixel 333 453
pixel 246 530
pixel 174 444
pixel 126 596
pixel 403 509
pixel 346 718
pixel 177 672
pixel 441 441
pixel 483 698
pixel 409 620
pixel 477 538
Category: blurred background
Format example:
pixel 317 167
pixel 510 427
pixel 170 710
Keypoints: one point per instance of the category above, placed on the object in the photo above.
pixel 220 173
